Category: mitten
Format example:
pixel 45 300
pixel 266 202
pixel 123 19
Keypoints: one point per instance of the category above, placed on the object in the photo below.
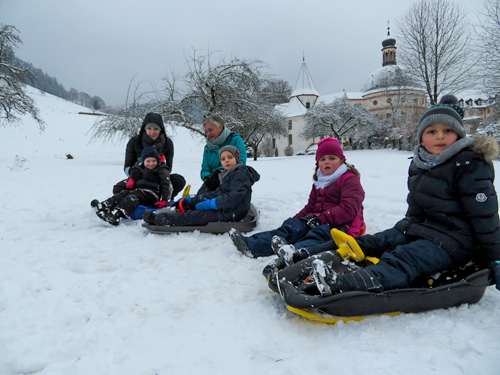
pixel 494 267
pixel 162 158
pixel 212 181
pixel 161 204
pixel 313 222
pixel 207 204
pixel 130 183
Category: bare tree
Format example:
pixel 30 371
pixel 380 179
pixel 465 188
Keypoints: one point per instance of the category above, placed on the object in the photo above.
pixel 13 99
pixel 337 119
pixel 436 48
pixel 489 42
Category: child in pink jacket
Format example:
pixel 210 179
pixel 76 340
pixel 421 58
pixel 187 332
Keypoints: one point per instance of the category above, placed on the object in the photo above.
pixel 335 201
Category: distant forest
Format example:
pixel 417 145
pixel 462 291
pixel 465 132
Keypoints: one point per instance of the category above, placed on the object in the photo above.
pixel 50 85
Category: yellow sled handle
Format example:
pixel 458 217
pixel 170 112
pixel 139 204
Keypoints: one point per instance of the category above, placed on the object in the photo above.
pixel 186 191
pixel 348 248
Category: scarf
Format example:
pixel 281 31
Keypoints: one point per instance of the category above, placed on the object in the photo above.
pixel 224 173
pixel 219 141
pixel 157 143
pixel 325 180
pixel 423 159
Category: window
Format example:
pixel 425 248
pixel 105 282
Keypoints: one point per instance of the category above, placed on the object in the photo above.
pixel 289 124
pixel 308 105
pixel 290 139
pixel 274 143
pixel 375 102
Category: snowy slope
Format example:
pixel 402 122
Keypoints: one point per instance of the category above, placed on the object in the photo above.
pixel 78 296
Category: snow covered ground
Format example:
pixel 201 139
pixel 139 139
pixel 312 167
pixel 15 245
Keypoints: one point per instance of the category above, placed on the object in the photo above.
pixel 78 296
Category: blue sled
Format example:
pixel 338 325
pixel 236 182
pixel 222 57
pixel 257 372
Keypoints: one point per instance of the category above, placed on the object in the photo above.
pixel 139 212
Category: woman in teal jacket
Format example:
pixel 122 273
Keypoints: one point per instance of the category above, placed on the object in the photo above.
pixel 218 136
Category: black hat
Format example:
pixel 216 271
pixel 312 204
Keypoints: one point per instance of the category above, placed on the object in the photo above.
pixel 155 118
pixel 446 112
pixel 150 152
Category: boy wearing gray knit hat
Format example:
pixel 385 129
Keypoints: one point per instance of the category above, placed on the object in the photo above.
pixel 446 112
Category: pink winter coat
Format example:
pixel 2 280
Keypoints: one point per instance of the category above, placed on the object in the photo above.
pixel 339 204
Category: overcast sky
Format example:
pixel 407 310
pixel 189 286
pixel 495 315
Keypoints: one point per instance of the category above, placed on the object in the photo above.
pixel 97 46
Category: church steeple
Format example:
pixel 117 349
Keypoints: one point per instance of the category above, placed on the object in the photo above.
pixel 389 49
pixel 305 90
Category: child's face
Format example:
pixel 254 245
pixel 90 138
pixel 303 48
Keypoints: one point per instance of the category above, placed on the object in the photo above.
pixel 227 160
pixel 438 137
pixel 150 163
pixel 328 164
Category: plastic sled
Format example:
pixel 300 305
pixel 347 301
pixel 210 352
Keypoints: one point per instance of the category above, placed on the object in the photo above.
pixel 453 288
pixel 248 223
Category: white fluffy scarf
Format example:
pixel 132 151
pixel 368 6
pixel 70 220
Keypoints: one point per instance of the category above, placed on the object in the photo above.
pixel 324 181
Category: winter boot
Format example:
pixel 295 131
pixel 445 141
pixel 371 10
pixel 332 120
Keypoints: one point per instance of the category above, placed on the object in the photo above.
pixel 330 282
pixel 240 242
pixel 287 252
pixel 100 206
pixel 113 216
pixel 149 217
pixel 273 268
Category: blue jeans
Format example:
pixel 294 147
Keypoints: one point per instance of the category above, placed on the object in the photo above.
pixel 294 231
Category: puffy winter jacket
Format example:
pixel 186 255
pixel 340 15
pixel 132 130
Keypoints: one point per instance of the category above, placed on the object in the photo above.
pixel 211 157
pixel 338 204
pixel 234 193
pixel 155 180
pixel 455 203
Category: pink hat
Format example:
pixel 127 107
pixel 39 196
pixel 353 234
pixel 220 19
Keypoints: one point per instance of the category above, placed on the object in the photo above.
pixel 329 146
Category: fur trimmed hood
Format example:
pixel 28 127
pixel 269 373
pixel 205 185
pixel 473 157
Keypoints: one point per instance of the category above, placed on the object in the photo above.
pixel 487 146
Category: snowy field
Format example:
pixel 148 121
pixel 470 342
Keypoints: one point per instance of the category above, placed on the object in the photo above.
pixel 80 297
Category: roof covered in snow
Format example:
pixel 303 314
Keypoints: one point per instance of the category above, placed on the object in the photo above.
pixel 293 108
pixel 304 84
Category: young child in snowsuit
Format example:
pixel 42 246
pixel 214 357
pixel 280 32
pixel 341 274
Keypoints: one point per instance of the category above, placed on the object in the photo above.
pixel 148 184
pixel 452 215
pixel 229 202
pixel 335 201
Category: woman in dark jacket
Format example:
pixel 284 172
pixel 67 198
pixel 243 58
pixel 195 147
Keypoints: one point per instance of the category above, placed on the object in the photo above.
pixel 152 133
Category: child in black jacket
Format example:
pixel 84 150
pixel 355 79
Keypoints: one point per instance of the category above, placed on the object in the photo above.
pixel 229 202
pixel 148 184
pixel 452 215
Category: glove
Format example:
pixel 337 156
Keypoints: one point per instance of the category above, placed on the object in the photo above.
pixel 207 204
pixel 312 221
pixel 130 183
pixel 160 204
pixel 162 158
pixel 212 182
pixel 494 267
pixel 126 170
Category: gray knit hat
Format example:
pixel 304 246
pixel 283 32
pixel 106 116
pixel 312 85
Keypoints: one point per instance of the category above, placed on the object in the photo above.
pixel 233 150
pixel 446 112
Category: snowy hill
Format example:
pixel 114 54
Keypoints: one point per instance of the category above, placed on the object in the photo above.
pixel 78 296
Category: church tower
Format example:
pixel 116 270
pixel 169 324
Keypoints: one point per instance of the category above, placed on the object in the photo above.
pixel 305 90
pixel 389 50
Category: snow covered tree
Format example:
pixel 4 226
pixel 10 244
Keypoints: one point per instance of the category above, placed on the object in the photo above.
pixel 13 99
pixel 489 42
pixel 336 119
pixel 436 48
pixel 239 91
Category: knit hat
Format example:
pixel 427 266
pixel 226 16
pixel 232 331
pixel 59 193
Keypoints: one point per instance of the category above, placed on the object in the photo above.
pixel 329 146
pixel 150 152
pixel 152 125
pixel 233 150
pixel 446 112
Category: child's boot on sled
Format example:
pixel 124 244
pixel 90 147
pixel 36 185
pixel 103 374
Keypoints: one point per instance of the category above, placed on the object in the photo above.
pixel 330 282
pixel 288 253
pixel 100 206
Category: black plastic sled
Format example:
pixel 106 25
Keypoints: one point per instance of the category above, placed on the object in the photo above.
pixel 450 289
pixel 248 224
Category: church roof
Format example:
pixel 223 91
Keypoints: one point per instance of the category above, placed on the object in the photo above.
pixel 293 108
pixel 304 84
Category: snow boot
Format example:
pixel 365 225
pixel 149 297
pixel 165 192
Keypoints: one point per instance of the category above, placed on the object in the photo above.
pixel 149 217
pixel 100 206
pixel 113 216
pixel 287 252
pixel 273 268
pixel 240 242
pixel 330 282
